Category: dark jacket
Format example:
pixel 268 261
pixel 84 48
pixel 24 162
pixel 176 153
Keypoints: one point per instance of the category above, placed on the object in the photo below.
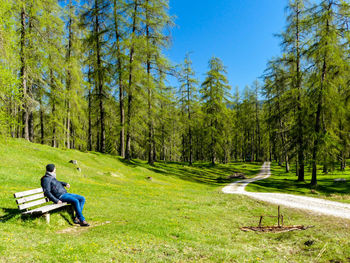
pixel 53 189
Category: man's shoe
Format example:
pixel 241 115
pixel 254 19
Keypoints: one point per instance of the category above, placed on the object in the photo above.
pixel 84 223
pixel 76 220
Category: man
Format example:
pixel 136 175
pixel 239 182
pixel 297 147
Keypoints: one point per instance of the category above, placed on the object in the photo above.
pixel 56 192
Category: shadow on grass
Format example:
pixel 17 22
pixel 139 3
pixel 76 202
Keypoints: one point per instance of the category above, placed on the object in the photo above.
pixel 9 214
pixel 66 219
pixel 14 212
pixel 280 181
pixel 131 163
pixel 204 173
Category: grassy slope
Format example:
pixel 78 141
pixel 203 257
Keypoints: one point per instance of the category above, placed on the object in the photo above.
pixel 179 216
pixel 327 188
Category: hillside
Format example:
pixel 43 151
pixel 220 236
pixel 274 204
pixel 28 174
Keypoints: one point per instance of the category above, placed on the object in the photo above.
pixel 179 215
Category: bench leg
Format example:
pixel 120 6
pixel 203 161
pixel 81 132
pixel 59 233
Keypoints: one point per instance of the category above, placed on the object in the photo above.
pixel 47 217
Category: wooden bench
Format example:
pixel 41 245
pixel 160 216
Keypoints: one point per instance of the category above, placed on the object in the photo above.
pixel 35 198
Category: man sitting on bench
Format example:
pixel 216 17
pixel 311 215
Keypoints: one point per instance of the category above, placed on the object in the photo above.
pixel 56 193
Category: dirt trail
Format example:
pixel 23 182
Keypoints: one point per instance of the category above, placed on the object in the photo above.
pixel 316 205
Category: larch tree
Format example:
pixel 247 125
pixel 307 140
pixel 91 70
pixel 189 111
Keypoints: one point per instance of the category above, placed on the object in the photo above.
pixel 155 21
pixel 134 11
pixel 119 50
pixel 294 41
pixel 9 84
pixel 325 53
pixel 95 18
pixel 278 92
pixel 214 91
pixel 187 99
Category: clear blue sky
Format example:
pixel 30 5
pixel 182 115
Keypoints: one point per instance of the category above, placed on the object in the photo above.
pixel 239 32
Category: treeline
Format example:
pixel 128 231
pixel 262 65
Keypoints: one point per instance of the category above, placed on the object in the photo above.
pixel 92 75
pixel 308 88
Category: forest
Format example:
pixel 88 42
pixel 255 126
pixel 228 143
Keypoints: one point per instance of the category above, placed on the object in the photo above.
pixel 93 76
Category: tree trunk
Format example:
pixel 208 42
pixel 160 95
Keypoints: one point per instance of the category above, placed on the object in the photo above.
pixel 42 132
pixel 189 120
pixel 102 140
pixel 317 132
pixel 120 82
pixel 19 121
pixel 343 163
pixel 72 136
pixel 257 137
pixel 23 76
pixel 163 143
pixel 31 126
pixel 69 77
pixel 149 89
pixel 296 167
pixel 287 164
pixel 325 168
pixel 89 113
pixel 300 139
pixel 98 141
pixel 154 149
pixel 213 142
pixel 53 113
pixel 130 86
pixel 13 113
pixel 53 143
pixel 318 114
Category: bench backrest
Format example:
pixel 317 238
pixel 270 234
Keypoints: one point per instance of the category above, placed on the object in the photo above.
pixel 30 198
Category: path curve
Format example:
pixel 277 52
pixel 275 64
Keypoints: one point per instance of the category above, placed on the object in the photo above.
pixel 316 205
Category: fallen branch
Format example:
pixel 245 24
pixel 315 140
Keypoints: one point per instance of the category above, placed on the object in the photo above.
pixel 274 229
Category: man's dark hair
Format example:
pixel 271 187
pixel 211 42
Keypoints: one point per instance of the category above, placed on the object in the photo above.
pixel 50 167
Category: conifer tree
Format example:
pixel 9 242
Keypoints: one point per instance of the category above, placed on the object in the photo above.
pixel 214 91
pixel 75 88
pixel 188 97
pixel 119 24
pixel 278 93
pixel 155 20
pixel 95 18
pixel 9 84
pixel 132 67
pixel 294 40
pixel 326 55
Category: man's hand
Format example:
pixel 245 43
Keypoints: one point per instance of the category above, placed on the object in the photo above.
pixel 59 202
pixel 68 186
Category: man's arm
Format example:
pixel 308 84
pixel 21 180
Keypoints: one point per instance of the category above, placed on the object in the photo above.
pixel 63 183
pixel 46 185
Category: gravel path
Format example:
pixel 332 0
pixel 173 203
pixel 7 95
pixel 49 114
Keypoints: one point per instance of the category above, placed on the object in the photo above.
pixel 316 205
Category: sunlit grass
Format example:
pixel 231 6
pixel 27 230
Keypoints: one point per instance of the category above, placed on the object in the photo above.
pixel 180 215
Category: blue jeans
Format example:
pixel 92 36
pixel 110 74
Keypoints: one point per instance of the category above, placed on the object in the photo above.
pixel 78 202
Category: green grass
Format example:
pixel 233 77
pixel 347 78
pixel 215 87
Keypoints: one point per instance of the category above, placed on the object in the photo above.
pixel 326 188
pixel 180 215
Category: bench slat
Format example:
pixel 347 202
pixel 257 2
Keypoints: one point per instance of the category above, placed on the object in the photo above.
pixel 30 204
pixel 45 209
pixel 29 192
pixel 29 198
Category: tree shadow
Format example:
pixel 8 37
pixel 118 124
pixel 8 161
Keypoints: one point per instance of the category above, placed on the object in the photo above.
pixel 280 181
pixel 205 173
pixel 126 162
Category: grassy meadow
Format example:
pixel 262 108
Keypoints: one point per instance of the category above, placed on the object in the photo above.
pixel 178 215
